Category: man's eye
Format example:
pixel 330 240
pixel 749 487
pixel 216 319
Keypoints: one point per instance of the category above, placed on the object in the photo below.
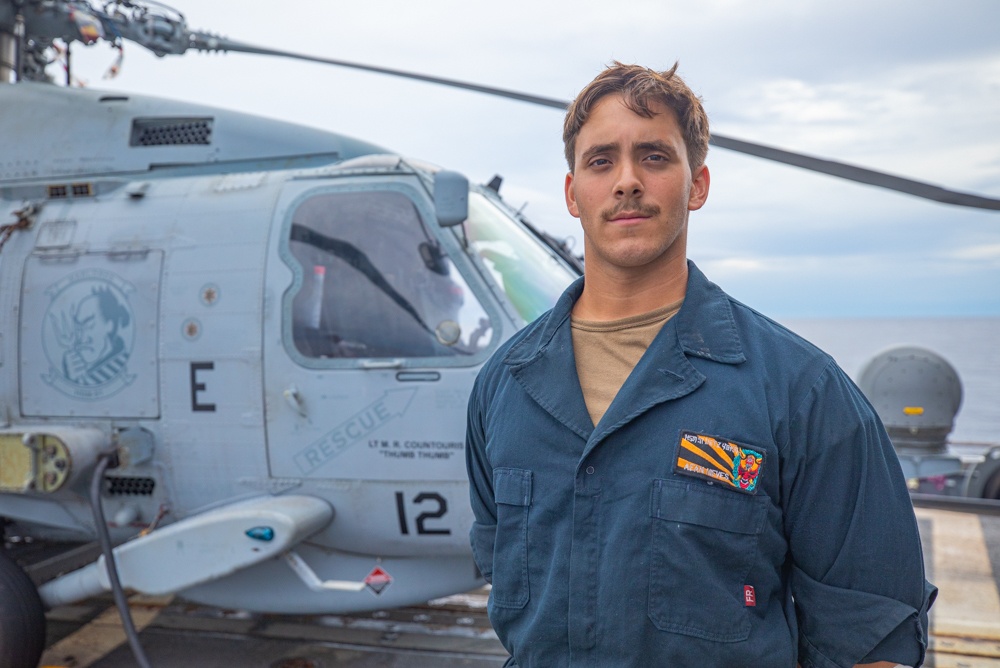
pixel 599 162
pixel 656 157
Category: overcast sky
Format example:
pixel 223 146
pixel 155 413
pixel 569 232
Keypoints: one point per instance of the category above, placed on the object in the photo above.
pixel 912 88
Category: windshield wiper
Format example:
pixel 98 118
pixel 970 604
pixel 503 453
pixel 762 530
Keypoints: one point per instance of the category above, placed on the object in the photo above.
pixel 560 246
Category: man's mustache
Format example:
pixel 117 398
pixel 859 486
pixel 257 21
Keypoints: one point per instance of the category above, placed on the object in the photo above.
pixel 632 205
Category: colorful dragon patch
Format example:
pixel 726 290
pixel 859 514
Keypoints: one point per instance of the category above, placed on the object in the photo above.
pixel 719 460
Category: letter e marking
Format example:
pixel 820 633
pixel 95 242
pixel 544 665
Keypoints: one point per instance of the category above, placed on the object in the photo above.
pixel 197 387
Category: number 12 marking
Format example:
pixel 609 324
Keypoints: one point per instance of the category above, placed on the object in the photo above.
pixel 422 529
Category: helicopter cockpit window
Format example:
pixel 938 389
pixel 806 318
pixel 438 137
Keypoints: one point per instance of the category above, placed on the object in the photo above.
pixel 527 272
pixel 375 283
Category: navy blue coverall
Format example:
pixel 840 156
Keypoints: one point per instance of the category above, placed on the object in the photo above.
pixel 739 504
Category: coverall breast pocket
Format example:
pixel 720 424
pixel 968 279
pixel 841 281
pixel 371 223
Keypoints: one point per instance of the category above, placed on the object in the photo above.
pixel 703 544
pixel 512 492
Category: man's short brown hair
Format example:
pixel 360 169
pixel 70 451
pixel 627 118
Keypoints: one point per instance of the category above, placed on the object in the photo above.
pixel 642 87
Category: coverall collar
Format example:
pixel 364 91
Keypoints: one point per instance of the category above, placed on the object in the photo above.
pixel 543 361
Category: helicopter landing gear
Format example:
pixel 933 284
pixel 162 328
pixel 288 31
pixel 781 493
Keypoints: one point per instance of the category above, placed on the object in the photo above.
pixel 984 481
pixel 22 620
pixel 992 488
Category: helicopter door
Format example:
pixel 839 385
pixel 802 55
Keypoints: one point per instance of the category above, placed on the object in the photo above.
pixel 381 337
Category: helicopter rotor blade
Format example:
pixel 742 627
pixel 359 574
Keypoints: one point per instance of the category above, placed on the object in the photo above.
pixel 834 168
pixel 212 43
pixel 165 31
pixel 859 174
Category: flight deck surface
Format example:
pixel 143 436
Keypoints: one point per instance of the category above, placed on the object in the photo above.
pixel 961 553
pixel 449 633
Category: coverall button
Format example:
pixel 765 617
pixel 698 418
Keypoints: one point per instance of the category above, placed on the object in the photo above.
pixel 590 470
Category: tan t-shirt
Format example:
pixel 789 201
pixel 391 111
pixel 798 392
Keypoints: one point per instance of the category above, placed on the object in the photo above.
pixel 607 351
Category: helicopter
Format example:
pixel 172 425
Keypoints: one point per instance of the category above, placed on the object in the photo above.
pixel 237 351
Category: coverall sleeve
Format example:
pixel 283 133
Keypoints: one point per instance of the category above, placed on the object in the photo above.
pixel 484 528
pixel 857 573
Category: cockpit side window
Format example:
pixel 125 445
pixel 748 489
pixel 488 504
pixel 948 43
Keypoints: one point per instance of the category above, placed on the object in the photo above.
pixel 375 283
pixel 529 273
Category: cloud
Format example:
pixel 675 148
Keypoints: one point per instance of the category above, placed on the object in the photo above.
pixel 909 88
pixel 985 253
pixel 933 122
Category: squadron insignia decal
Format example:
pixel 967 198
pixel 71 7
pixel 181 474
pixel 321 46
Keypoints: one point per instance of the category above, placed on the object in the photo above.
pixel 88 334
pixel 719 460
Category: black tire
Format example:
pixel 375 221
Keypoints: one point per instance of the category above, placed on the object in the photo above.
pixel 991 490
pixel 22 618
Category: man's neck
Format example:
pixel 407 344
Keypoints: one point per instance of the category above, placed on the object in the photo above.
pixel 616 294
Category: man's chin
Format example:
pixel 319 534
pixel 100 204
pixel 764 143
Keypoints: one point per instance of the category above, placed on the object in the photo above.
pixel 628 257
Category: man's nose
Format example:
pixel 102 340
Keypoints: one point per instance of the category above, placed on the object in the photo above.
pixel 628 183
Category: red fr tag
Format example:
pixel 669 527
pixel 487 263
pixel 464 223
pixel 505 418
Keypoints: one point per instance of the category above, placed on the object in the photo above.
pixel 749 597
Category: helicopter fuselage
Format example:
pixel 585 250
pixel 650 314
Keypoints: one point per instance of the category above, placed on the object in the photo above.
pixel 243 322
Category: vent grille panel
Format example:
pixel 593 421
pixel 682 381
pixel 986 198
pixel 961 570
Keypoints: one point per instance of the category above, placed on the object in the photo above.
pixel 171 132
pixel 129 486
pixel 62 190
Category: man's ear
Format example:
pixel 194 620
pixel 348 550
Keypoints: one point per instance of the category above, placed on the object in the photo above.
pixel 700 182
pixel 571 196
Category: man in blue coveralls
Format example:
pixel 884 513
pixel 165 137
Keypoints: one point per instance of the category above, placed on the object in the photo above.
pixel 662 476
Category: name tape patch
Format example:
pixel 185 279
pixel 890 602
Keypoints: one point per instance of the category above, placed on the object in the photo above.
pixel 719 460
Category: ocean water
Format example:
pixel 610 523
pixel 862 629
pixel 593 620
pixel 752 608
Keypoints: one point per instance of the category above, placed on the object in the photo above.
pixel 971 345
